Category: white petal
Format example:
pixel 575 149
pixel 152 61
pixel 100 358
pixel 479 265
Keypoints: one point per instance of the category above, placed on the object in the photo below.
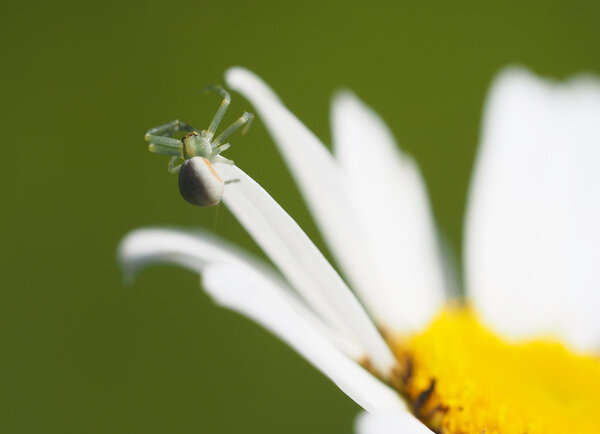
pixel 390 423
pixel 301 263
pixel 247 293
pixel 395 213
pixel 319 178
pixel 190 249
pixel 532 234
pixel 196 250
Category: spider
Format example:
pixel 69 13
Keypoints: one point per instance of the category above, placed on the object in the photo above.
pixel 197 151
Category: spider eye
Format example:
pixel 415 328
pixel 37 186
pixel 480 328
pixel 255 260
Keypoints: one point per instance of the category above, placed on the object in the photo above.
pixel 199 182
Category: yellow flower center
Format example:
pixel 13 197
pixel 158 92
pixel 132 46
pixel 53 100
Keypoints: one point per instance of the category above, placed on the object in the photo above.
pixel 461 378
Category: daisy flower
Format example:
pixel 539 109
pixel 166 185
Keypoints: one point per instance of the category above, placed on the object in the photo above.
pixel 517 354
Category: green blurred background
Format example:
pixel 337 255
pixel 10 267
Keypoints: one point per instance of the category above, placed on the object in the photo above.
pixel 81 83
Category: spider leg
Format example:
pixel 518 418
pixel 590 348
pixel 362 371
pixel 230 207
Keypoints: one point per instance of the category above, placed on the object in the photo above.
pixel 166 150
pixel 162 141
pixel 220 149
pixel 168 129
pixel 220 159
pixel 172 168
pixel 160 138
pixel 246 119
pixel 216 120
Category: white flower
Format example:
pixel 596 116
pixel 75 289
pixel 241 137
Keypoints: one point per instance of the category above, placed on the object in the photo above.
pixel 532 239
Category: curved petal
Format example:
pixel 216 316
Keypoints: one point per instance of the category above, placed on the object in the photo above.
pixel 395 213
pixel 249 294
pixel 319 178
pixel 532 233
pixel 302 264
pixel 390 423
pixel 196 250
pixel 193 250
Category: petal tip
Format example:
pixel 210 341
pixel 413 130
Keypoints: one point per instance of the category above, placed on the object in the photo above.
pixel 127 256
pixel 248 83
pixel 513 77
pixel 344 96
pixel 235 74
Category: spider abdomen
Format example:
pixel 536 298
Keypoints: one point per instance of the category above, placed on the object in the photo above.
pixel 199 182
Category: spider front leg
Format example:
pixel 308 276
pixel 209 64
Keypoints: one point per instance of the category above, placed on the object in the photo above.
pixel 245 119
pixel 219 149
pixel 216 120
pixel 161 135
pixel 169 129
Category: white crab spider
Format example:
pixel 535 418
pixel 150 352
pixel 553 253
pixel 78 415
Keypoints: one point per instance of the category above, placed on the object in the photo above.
pixel 199 182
